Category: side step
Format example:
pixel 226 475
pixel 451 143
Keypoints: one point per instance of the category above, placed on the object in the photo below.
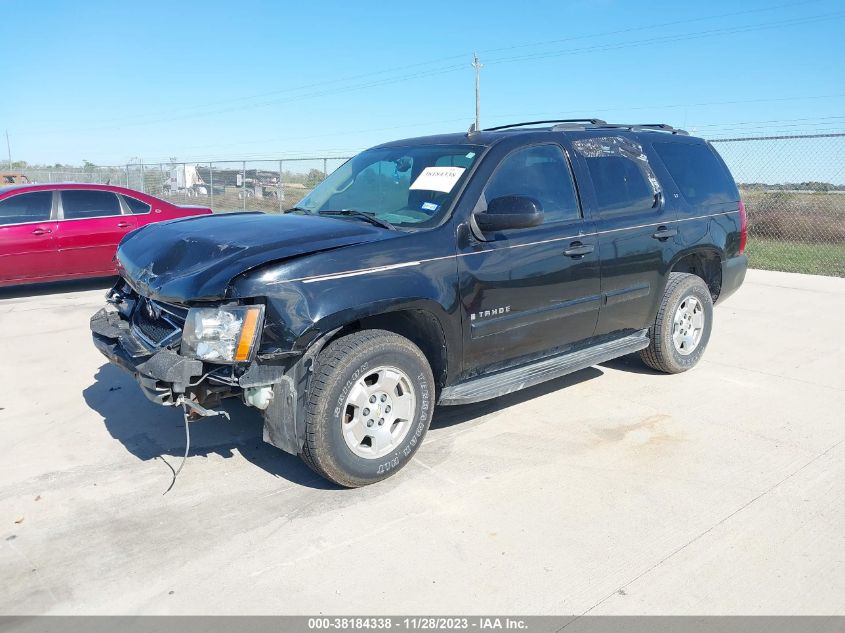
pixel 511 380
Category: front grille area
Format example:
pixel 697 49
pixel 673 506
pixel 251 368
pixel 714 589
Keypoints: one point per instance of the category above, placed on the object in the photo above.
pixel 158 323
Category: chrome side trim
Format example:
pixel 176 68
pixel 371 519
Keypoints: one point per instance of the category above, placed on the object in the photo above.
pixel 643 226
pixel 378 269
pixel 363 271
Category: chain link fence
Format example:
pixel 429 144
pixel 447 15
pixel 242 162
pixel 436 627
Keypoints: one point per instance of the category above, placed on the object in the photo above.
pixel 794 193
pixel 793 188
pixel 225 186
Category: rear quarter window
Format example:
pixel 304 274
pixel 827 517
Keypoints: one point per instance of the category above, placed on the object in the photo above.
pixel 622 177
pixel 698 172
pixel 136 206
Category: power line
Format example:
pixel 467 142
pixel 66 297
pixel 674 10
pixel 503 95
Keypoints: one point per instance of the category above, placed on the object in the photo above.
pixel 749 129
pixel 715 128
pixel 504 118
pixel 456 67
pixel 332 134
pixel 660 25
pixel 194 113
pixel 534 56
pixel 673 38
pixel 776 138
pixel 495 50
pixel 814 118
pixel 774 123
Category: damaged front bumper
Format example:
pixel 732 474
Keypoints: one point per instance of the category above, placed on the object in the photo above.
pixel 162 374
pixel 167 378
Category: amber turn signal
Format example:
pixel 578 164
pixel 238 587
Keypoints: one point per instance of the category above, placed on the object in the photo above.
pixel 249 332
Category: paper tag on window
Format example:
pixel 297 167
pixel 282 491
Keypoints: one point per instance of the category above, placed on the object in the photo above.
pixel 438 178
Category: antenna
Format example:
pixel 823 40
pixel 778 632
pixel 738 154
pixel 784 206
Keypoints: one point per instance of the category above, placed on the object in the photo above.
pixel 478 66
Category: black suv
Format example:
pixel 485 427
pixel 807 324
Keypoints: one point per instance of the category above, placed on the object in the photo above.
pixel 438 270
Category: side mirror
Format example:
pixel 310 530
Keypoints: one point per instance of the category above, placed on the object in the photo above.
pixel 510 212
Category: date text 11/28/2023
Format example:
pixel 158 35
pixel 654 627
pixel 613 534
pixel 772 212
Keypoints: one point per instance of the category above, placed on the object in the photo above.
pixel 417 623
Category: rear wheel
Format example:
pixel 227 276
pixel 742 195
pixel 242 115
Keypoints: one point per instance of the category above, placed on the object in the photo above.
pixel 682 327
pixel 369 406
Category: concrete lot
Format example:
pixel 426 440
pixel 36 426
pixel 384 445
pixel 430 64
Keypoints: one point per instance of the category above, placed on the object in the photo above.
pixel 615 490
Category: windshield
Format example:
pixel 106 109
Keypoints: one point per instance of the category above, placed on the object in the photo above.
pixel 411 187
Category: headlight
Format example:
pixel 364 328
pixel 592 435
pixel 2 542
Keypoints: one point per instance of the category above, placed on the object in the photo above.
pixel 222 335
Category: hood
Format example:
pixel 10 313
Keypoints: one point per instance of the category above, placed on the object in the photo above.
pixel 194 259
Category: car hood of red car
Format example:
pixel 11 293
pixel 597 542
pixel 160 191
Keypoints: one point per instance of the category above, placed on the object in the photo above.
pixel 195 259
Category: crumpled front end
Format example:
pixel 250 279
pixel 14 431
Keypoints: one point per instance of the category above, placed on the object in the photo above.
pixel 161 374
pixel 144 337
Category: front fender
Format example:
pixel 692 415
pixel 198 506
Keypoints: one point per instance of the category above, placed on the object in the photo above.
pixel 300 310
pixel 302 313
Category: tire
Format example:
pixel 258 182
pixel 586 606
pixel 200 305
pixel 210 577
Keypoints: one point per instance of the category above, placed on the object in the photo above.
pixel 670 350
pixel 351 440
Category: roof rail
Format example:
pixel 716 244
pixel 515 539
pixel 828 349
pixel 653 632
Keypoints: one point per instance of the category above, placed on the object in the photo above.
pixel 594 123
pixel 505 127
pixel 662 127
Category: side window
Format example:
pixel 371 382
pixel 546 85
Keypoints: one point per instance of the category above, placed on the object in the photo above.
pixel 26 207
pixel 540 172
pixel 136 206
pixel 621 175
pixel 82 203
pixel 699 174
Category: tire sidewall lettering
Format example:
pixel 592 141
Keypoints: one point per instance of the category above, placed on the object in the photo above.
pixel 690 360
pixel 341 399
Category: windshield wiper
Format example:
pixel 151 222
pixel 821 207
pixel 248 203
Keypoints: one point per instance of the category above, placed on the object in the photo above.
pixel 354 213
pixel 295 209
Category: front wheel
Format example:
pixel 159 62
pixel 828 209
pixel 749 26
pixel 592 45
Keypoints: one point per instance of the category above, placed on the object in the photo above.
pixel 369 406
pixel 682 328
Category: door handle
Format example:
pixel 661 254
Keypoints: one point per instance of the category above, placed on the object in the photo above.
pixel 41 231
pixel 662 233
pixel 577 249
pixel 122 225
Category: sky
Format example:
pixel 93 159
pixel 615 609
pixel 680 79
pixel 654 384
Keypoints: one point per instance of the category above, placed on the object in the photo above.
pixel 114 82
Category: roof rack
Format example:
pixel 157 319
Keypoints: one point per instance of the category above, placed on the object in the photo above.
pixel 561 124
pixel 505 127
pixel 661 127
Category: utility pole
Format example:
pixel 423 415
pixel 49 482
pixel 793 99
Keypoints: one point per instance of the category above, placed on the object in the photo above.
pixel 478 66
pixel 9 150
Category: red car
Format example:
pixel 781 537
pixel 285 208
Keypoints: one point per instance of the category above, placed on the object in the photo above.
pixel 70 231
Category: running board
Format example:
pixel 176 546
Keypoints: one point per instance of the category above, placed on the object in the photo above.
pixel 511 380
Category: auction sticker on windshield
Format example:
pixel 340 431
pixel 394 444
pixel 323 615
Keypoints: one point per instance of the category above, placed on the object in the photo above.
pixel 438 178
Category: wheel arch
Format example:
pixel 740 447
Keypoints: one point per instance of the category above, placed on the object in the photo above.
pixel 422 322
pixel 701 261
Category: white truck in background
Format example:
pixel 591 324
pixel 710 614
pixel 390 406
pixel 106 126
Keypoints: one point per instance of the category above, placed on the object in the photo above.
pixel 185 179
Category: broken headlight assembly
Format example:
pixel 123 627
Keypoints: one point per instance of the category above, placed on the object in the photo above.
pixel 226 334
